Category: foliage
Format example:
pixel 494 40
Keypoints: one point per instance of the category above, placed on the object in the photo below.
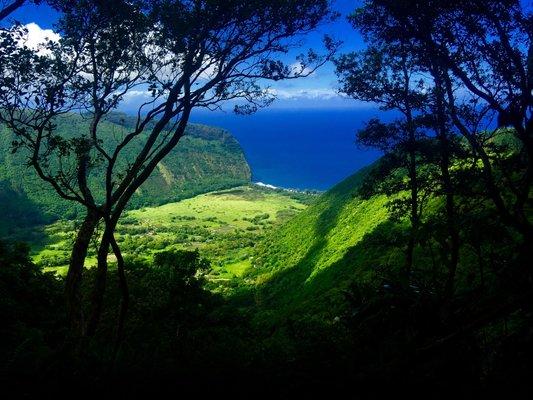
pixel 448 40
pixel 341 261
pixel 185 55
pixel 31 309
pixel 329 299
pixel 208 159
pixel 303 264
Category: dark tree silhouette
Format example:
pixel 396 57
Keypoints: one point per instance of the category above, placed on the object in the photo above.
pixel 388 76
pixel 184 54
pixel 483 50
pixel 8 7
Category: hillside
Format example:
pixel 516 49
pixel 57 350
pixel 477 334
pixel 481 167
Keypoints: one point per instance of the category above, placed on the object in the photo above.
pixel 206 159
pixel 307 262
pixel 311 266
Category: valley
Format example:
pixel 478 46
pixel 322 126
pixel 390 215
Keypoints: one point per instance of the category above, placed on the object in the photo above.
pixel 224 226
pixel 266 198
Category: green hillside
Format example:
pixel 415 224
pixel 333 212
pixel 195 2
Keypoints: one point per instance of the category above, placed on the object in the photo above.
pixel 309 261
pixel 311 266
pixel 206 159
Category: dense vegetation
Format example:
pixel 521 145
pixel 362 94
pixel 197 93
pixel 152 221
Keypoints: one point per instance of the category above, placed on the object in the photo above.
pixel 208 159
pixel 176 57
pixel 345 271
pixel 413 273
pixel 318 305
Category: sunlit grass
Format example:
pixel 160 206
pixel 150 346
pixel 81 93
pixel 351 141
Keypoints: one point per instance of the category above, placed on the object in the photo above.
pixel 224 226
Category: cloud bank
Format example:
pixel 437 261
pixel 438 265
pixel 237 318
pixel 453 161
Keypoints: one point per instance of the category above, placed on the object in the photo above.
pixel 37 36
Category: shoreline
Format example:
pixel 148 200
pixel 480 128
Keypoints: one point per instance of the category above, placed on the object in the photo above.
pixel 291 190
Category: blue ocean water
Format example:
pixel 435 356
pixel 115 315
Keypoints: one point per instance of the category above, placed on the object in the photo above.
pixel 300 149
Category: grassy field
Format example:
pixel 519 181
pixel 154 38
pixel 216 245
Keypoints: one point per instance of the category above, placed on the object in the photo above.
pixel 224 226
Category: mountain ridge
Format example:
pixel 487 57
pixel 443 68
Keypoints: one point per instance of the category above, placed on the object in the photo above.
pixel 206 159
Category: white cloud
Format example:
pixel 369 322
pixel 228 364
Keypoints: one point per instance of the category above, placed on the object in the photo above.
pixel 310 94
pixel 37 36
pixel 133 95
pixel 299 68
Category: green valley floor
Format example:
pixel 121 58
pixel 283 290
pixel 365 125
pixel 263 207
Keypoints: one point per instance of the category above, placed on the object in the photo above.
pixel 223 225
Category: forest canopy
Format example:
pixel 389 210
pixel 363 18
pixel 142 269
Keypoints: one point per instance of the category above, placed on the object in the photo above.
pixel 415 272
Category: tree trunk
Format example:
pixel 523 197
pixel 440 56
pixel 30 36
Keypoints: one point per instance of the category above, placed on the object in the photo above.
pixel 512 218
pixel 97 295
pixel 447 186
pixel 124 303
pixel 454 238
pixel 75 272
pixel 113 217
pixel 412 172
pixel 11 8
pixel 413 183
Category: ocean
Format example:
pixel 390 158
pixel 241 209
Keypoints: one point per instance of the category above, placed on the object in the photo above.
pixel 299 149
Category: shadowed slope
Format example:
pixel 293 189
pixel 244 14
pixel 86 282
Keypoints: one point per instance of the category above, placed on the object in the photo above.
pixel 309 261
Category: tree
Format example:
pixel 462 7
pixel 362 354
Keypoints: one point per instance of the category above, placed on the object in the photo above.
pixel 439 120
pixel 30 305
pixel 185 54
pixel 478 55
pixel 387 76
pixel 483 49
pixel 8 7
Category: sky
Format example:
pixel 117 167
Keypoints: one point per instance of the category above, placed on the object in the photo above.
pixel 316 91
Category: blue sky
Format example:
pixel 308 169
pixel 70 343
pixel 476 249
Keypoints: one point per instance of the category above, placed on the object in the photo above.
pixel 315 91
